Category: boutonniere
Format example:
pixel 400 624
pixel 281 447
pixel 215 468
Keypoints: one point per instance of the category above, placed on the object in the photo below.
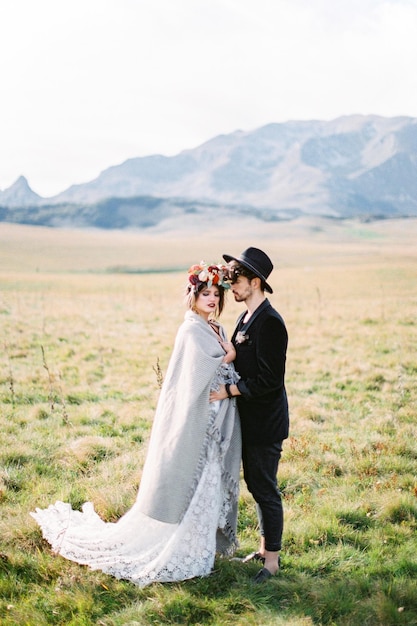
pixel 241 337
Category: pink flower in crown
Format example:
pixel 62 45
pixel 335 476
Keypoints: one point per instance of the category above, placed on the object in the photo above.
pixel 203 276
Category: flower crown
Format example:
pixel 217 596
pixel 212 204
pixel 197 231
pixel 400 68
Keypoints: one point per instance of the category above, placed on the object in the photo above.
pixel 210 274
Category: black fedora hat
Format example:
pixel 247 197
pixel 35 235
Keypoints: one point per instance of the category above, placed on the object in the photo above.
pixel 256 261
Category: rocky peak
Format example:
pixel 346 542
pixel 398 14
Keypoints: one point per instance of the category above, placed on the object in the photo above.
pixel 19 194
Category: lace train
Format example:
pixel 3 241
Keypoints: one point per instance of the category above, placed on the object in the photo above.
pixel 137 547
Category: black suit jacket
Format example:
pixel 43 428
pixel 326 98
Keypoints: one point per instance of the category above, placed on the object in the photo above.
pixel 260 361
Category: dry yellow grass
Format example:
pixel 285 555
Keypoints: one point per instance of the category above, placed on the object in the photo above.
pixel 304 242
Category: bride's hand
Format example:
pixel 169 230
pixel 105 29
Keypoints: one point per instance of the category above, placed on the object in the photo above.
pixel 229 348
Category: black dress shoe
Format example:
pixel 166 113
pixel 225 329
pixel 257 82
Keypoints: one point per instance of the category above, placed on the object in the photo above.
pixel 262 576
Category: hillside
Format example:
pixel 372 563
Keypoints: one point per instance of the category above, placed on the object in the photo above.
pixel 354 166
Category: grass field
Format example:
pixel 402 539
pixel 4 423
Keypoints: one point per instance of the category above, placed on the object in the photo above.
pixel 86 319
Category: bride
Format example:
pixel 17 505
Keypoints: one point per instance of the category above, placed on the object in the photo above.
pixel 186 506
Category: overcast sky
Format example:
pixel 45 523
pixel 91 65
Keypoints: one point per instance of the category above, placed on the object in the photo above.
pixel 86 84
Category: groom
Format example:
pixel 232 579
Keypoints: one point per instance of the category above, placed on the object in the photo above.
pixel 260 339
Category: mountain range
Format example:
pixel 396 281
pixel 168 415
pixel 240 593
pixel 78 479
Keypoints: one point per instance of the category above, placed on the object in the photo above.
pixel 354 166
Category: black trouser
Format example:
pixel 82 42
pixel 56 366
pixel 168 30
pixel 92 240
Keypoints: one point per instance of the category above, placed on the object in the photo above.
pixel 260 468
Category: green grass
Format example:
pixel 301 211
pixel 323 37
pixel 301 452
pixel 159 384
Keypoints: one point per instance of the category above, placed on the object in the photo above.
pixel 78 390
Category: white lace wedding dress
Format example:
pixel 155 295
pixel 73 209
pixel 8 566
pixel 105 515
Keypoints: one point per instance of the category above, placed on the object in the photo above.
pixel 137 547
pixel 142 549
